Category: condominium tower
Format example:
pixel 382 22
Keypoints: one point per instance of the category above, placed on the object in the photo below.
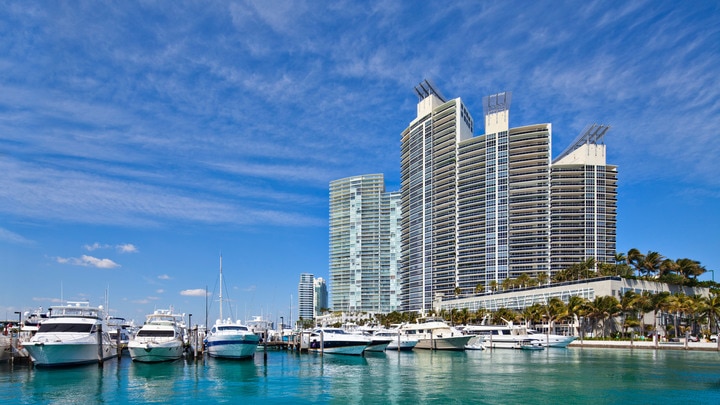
pixel 364 244
pixel 306 297
pixel 480 209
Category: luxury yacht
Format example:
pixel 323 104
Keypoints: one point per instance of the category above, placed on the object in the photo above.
pixel 73 334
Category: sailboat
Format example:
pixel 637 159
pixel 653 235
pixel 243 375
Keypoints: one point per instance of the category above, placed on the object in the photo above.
pixel 228 339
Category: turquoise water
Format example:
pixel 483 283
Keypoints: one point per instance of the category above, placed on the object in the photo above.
pixel 493 377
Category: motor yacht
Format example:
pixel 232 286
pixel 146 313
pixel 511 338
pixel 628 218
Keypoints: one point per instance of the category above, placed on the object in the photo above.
pixel 435 334
pixel 398 341
pixel 550 340
pixel 231 340
pixel 161 338
pixel 73 334
pixel 500 336
pixel 337 341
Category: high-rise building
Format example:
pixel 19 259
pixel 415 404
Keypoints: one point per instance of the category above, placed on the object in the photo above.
pixel 364 244
pixel 320 300
pixel 481 209
pixel 306 297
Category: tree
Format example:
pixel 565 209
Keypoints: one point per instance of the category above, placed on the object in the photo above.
pixel 479 288
pixel 542 278
pixel 711 308
pixel 628 308
pixel 659 303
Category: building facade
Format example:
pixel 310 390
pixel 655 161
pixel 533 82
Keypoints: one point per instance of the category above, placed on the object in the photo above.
pixel 306 297
pixel 364 244
pixel 482 209
pixel 320 299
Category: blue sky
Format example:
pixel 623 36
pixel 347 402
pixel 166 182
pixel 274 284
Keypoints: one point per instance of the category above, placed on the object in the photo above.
pixel 140 140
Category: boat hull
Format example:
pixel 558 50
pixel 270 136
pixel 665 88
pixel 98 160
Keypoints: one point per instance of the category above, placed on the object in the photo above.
pixel 405 345
pixel 346 348
pixel 378 345
pixel 155 352
pixel 445 343
pixel 232 347
pixel 57 354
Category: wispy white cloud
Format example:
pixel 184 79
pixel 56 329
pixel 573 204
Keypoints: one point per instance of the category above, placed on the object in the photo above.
pixel 198 292
pixel 95 246
pixel 12 237
pixel 88 261
pixel 164 277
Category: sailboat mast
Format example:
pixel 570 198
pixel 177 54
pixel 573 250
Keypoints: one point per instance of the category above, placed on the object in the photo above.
pixel 221 287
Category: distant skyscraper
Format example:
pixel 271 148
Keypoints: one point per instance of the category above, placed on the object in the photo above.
pixel 364 244
pixel 306 297
pixel 480 209
pixel 321 296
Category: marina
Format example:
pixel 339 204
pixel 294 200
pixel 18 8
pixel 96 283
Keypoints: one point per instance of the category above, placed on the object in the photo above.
pixel 424 376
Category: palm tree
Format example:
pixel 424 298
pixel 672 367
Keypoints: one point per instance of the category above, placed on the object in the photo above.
pixel 635 259
pixel 523 280
pixel 659 305
pixel 554 310
pixel 651 263
pixel 678 304
pixel 602 309
pixel 532 314
pixel 493 285
pixel 689 268
pixel 479 288
pixel 542 278
pixel 628 307
pixel 712 310
pixel 643 304
pixel 620 259
pixel 576 308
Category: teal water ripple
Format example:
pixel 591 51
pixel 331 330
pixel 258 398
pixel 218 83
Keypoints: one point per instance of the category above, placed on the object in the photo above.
pixel 589 376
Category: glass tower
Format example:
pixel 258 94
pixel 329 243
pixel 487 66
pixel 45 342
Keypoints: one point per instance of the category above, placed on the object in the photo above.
pixel 364 244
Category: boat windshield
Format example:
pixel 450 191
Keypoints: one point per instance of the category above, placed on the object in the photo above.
pixel 66 327
pixel 232 328
pixel 155 333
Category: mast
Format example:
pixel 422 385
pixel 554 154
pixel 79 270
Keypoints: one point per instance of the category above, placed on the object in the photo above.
pixel 221 287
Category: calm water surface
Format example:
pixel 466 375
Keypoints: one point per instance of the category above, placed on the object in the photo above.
pixel 493 377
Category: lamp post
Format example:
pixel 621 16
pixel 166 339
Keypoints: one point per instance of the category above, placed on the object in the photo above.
pixel 713 274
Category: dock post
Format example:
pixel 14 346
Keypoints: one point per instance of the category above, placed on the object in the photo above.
pixel 98 333
pixel 195 345
pixel 322 342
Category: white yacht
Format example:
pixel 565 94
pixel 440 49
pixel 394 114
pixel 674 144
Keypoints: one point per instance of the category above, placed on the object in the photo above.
pixel 502 336
pixel 232 340
pixel 550 340
pixel 337 341
pixel 73 334
pixel 228 339
pixel 377 343
pixel 398 341
pixel 118 326
pixel 159 339
pixel 435 334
